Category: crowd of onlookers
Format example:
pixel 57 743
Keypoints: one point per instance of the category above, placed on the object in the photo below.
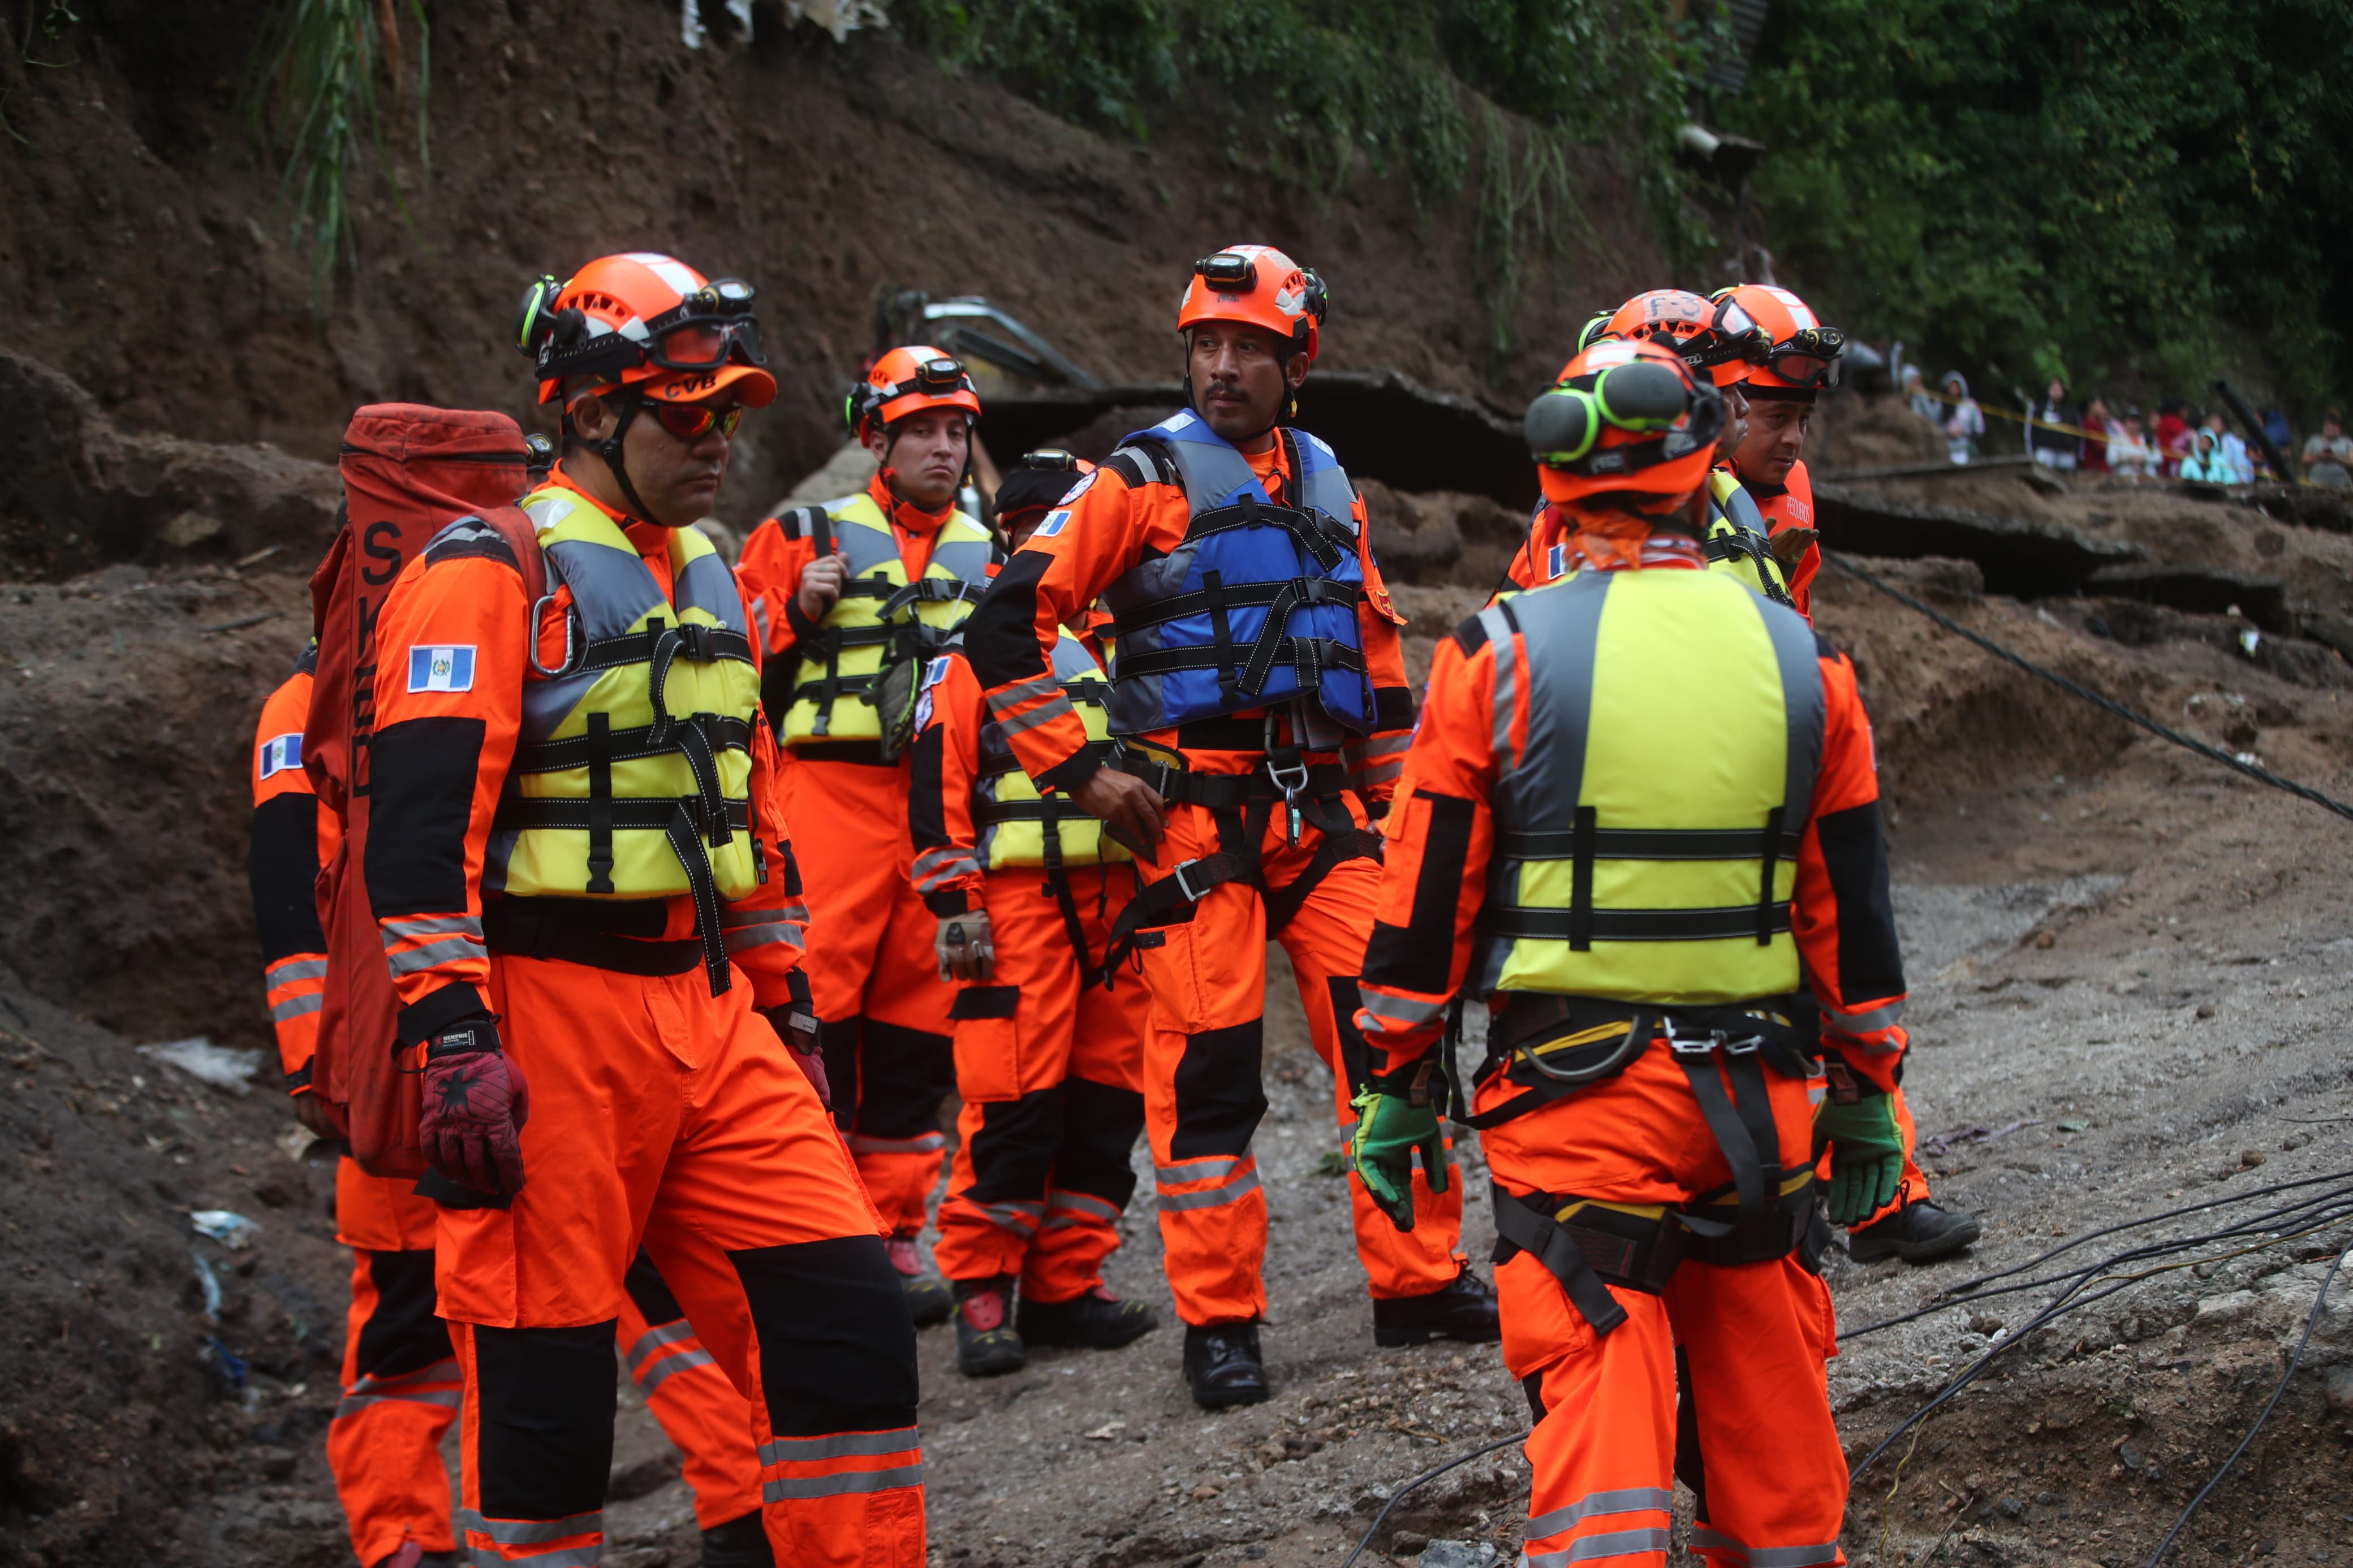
pixel 2182 442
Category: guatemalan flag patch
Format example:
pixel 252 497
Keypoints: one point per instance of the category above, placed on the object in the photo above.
pixel 441 668
pixel 280 754
pixel 1055 523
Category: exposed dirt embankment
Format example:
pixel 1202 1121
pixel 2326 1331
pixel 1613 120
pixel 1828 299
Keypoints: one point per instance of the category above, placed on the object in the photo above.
pixel 144 255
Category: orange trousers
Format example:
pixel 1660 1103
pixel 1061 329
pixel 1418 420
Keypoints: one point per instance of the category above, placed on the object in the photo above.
pixel 1769 1473
pixel 876 983
pixel 667 1118
pixel 1203 1092
pixel 697 1406
pixel 1050 1071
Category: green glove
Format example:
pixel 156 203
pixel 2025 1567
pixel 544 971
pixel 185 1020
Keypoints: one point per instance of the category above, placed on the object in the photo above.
pixel 1389 1128
pixel 1866 1155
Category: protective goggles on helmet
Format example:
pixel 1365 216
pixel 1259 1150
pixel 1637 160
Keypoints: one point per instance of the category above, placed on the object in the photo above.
pixel 1563 426
pixel 1810 358
pixel 706 329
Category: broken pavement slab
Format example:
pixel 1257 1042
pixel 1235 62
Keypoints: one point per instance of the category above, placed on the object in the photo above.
pixel 2020 557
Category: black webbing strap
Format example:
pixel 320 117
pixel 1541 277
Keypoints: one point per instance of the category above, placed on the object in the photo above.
pixel 1342 842
pixel 1580 880
pixel 719 733
pixel 1730 922
pixel 621 936
pixel 1250 596
pixel 1058 884
pixel 704 890
pixel 1646 844
pixel 1744 543
pixel 1769 858
pixel 661 641
pixel 1221 634
pixel 601 803
pixel 1541 1235
pixel 1306 654
pixel 1743 1128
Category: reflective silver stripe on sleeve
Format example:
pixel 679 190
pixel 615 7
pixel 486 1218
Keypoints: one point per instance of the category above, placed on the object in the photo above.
pixel 1233 1192
pixel 730 919
pixel 294 1007
pixel 1021 691
pixel 787 1489
pixel 287 969
pixel 1043 713
pixel 934 869
pixel 1617 1544
pixel 668 1366
pixel 352 1404
pixel 840 1446
pixel 743 938
pixel 437 925
pixel 418 958
pixel 1402 1011
pixel 530 1532
pixel 1859 1022
pixel 654 1339
pixel 444 1370
pixel 1592 1505
pixel 925 1144
pixel 1196 1169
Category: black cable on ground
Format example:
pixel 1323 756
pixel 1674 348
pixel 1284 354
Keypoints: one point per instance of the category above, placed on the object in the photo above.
pixel 2319 1299
pixel 1399 1496
pixel 2260 774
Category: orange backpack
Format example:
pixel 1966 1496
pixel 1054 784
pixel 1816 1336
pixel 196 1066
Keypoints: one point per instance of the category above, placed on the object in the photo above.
pixel 409 472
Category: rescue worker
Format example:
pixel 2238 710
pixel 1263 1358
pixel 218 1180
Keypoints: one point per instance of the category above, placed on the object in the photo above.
pixel 1799 358
pixel 1259 711
pixel 579 869
pixel 852 599
pixel 1628 919
pixel 1716 341
pixel 400 1378
pixel 1049 1040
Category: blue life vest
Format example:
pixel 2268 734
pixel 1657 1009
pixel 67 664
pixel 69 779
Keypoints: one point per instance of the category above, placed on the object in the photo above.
pixel 1257 605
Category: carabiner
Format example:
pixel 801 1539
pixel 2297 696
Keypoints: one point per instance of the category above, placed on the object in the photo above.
pixel 531 648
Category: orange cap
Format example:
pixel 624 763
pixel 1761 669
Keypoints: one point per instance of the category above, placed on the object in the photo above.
pixel 1800 355
pixel 1261 286
pixel 642 319
pixel 907 380
pixel 1625 416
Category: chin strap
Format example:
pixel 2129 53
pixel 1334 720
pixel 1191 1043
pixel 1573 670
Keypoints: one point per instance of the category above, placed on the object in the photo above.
pixel 628 405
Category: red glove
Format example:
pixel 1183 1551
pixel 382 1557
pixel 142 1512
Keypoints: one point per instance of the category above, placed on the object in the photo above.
pixel 796 1024
pixel 475 1105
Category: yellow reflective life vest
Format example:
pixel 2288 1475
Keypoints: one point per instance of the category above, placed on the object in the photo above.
pixel 1017 825
pixel 879 617
pixel 632 773
pixel 1646 844
pixel 1739 541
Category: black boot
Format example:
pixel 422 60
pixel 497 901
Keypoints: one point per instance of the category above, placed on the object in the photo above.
pixel 1096 1320
pixel 1222 1365
pixel 1461 1309
pixel 985 1343
pixel 738 1544
pixel 1919 1232
pixel 928 1301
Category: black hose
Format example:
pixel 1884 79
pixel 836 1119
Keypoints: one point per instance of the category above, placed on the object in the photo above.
pixel 1399 1496
pixel 2213 754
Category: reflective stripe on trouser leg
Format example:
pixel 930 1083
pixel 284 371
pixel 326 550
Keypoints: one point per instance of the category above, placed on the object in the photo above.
pixel 1213 1234
pixel 698 1408
pixel 537 1443
pixel 384 1444
pixel 1067 1260
pixel 1603 1452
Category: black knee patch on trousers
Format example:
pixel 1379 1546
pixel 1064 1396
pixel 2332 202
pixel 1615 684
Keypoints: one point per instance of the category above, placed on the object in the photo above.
pixel 904 1075
pixel 1014 1150
pixel 1219 1094
pixel 644 1284
pixel 1100 1126
pixel 1690 1466
pixel 1356 1056
pixel 836 1345
pixel 838 1043
pixel 544 1415
pixel 402 1334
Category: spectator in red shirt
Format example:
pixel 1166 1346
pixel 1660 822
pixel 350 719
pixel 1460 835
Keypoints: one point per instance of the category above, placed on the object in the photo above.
pixel 2096 436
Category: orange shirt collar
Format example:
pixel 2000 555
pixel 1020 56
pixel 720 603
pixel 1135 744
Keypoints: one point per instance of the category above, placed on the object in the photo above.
pixel 651 539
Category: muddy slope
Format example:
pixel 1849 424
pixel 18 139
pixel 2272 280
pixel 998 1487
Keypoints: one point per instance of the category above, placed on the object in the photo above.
pixel 144 257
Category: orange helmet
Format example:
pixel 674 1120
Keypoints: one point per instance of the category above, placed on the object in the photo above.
pixel 1800 355
pixel 907 380
pixel 648 321
pixel 1627 416
pixel 1260 285
pixel 1680 320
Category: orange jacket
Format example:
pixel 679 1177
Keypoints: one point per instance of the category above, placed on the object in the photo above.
pixel 1789 505
pixel 292 837
pixel 947 869
pixel 438 761
pixel 1842 917
pixel 1114 525
pixel 772 564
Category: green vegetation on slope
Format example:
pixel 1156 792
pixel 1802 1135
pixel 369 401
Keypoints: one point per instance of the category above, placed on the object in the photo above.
pixel 2066 186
